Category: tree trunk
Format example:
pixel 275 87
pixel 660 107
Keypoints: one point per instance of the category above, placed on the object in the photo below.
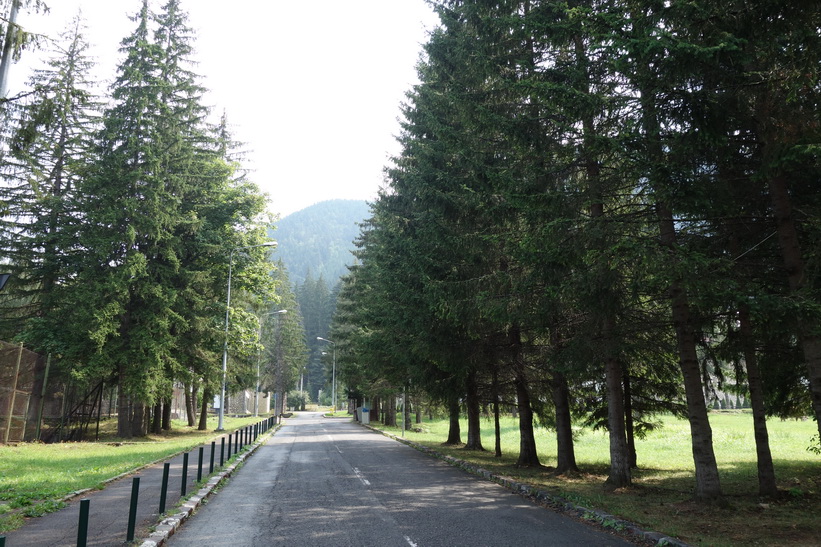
pixel 123 407
pixel 156 418
pixel 766 471
pixel 708 485
pixel 206 396
pixel 195 400
pixel 496 425
pixel 454 429
pixel 138 417
pixel 767 486
pixel 566 455
pixel 406 411
pixel 796 276
pixel 619 456
pixel 390 411
pixel 528 456
pixel 628 421
pixel 190 408
pixel 619 475
pixel 166 414
pixel 474 414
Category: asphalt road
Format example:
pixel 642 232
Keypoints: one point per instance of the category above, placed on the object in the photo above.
pixel 327 482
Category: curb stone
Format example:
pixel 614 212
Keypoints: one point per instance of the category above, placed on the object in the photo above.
pixel 542 496
pixel 169 525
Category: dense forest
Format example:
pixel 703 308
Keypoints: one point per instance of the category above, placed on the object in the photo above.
pixel 601 212
pixel 317 241
pixel 315 246
pixel 137 246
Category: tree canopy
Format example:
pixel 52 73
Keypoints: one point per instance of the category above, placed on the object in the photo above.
pixel 596 206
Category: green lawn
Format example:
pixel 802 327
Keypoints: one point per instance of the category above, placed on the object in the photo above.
pixel 661 497
pixel 33 476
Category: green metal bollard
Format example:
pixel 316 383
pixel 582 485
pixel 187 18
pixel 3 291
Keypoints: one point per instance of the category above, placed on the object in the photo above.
pixel 211 464
pixel 132 512
pixel 82 526
pixel 184 474
pixel 199 464
pixel 166 468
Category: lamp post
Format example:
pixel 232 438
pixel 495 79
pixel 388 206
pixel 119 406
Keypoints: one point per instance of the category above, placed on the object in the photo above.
pixel 333 380
pixel 227 310
pixel 259 357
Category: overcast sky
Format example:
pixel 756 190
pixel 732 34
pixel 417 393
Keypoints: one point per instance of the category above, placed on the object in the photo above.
pixel 312 88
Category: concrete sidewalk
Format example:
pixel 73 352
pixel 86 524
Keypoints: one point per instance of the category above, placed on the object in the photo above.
pixel 109 508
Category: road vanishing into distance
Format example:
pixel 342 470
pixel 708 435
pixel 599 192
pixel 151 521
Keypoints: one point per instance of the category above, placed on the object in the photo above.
pixel 329 482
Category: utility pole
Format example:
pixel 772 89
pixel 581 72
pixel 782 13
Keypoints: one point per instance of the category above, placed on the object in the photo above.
pixel 8 47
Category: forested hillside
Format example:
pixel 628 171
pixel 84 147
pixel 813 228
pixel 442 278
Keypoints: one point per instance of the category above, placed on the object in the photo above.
pixel 318 240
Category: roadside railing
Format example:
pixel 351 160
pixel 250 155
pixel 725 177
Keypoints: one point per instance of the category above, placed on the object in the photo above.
pixel 237 440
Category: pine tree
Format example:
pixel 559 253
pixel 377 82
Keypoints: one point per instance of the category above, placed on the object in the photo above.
pixel 284 338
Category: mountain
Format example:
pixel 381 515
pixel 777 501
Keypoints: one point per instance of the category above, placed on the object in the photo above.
pixel 319 239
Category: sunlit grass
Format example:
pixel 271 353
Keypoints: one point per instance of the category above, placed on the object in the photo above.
pixel 661 497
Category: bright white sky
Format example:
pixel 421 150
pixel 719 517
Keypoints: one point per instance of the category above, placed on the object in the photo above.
pixel 313 88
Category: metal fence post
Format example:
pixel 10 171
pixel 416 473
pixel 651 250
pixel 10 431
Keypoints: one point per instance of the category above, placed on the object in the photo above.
pixel 132 512
pixel 199 464
pixel 222 451
pixel 211 464
pixel 82 525
pixel 184 474
pixel 13 396
pixel 42 401
pixel 164 487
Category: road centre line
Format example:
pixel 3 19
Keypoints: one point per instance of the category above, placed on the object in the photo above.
pixel 365 481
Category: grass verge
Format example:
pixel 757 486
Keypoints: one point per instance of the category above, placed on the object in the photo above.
pixel 35 477
pixel 661 496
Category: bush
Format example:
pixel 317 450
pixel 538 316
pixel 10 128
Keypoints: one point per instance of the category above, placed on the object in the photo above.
pixel 297 400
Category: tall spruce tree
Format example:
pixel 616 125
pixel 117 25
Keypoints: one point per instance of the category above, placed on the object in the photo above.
pixel 145 205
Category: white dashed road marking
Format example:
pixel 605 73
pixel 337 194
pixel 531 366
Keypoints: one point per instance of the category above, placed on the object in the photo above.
pixel 365 481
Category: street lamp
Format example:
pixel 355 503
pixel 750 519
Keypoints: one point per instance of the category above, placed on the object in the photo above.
pixel 333 381
pixel 256 392
pixel 227 310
